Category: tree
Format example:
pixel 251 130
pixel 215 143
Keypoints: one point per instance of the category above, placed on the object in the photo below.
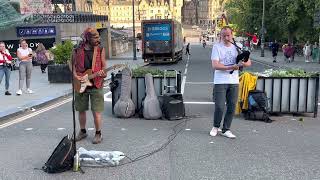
pixel 286 20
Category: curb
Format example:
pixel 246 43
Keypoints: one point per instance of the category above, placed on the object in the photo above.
pixel 7 114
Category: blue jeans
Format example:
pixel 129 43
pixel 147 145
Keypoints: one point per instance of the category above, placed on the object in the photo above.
pixel 5 71
pixel 225 93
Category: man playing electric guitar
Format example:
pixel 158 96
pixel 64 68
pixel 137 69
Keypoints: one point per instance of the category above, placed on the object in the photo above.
pixel 89 55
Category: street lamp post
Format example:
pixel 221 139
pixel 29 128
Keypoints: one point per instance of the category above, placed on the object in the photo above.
pixel 134 34
pixel 74 5
pixel 262 29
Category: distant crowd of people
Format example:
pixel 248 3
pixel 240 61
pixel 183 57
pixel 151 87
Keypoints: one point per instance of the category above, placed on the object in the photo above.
pixel 25 57
pixel 310 52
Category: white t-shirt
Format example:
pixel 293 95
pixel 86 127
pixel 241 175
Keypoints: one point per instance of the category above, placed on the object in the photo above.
pixel 25 52
pixel 227 56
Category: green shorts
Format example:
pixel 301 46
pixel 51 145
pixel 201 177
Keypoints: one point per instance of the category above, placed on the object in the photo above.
pixel 96 100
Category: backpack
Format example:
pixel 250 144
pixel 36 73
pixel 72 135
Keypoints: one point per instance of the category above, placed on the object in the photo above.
pixel 62 157
pixel 257 106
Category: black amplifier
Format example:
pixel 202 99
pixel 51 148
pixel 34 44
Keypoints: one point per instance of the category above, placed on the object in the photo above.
pixel 172 106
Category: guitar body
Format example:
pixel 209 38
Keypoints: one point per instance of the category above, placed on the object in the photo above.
pixel 80 87
pixel 151 105
pixel 125 107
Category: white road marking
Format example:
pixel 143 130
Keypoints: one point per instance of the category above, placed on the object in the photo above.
pixel 318 104
pixel 155 129
pixel 199 103
pixel 34 113
pixel 185 71
pixel 123 129
pixel 60 129
pixel 188 129
pixel 183 84
pixel 90 129
pixel 199 82
pixel 28 129
pixel 105 96
pixel 211 142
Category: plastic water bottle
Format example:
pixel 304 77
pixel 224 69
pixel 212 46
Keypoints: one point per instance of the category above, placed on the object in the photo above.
pixel 76 162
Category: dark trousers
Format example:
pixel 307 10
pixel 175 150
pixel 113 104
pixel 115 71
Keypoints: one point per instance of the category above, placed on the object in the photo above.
pixel 187 51
pixel 225 93
pixel 43 67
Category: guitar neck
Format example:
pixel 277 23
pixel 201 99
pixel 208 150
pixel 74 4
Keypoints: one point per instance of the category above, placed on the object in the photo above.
pixel 94 75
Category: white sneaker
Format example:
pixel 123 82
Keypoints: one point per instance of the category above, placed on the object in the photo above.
pixel 19 92
pixel 29 91
pixel 214 131
pixel 228 134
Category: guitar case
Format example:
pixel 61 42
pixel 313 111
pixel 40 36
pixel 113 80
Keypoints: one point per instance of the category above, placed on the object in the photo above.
pixel 125 107
pixel 151 105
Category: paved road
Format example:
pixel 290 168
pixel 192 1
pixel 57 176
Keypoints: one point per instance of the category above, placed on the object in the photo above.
pixel 284 149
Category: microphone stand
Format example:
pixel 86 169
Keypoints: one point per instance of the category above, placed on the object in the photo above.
pixel 73 108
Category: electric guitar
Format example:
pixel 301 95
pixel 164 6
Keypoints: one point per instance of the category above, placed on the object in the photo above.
pixel 81 86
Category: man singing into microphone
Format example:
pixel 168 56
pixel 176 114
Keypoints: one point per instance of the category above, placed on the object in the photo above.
pixel 224 58
pixel 5 62
pixel 89 55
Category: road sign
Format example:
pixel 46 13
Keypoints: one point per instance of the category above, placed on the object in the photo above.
pixel 36 31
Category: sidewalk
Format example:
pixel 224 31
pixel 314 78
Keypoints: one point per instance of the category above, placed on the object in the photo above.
pixel 44 92
pixel 298 62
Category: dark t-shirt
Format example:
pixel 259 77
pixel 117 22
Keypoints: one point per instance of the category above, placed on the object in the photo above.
pixel 88 56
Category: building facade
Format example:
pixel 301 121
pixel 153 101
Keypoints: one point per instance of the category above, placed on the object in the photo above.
pixel 121 11
pixel 202 12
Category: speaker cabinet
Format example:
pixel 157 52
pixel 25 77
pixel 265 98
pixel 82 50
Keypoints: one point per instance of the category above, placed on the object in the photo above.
pixel 173 107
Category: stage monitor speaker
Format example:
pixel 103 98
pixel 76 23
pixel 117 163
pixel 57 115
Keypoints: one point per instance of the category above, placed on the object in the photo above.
pixel 173 107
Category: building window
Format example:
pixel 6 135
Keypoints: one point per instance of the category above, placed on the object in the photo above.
pixel 151 11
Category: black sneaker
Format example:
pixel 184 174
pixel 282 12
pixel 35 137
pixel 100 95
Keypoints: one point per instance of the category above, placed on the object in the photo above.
pixel 7 93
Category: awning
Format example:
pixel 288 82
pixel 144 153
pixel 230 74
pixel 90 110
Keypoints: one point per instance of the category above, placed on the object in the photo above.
pixel 9 17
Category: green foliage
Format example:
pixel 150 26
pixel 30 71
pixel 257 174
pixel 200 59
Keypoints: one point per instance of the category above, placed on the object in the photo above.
pixel 285 20
pixel 62 52
pixel 291 73
pixel 283 73
pixel 142 71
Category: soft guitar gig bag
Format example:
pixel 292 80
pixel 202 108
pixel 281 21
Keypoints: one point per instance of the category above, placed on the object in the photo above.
pixel 151 105
pixel 124 107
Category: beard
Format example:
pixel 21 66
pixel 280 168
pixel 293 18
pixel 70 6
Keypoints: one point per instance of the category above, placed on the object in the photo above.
pixel 96 43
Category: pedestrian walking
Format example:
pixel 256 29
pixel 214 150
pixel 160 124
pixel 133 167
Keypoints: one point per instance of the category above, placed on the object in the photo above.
pixel 83 59
pixel 315 52
pixel 5 66
pixel 275 49
pixel 188 49
pixel 226 84
pixel 42 57
pixel 25 56
pixel 204 43
pixel 307 51
pixel 289 52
